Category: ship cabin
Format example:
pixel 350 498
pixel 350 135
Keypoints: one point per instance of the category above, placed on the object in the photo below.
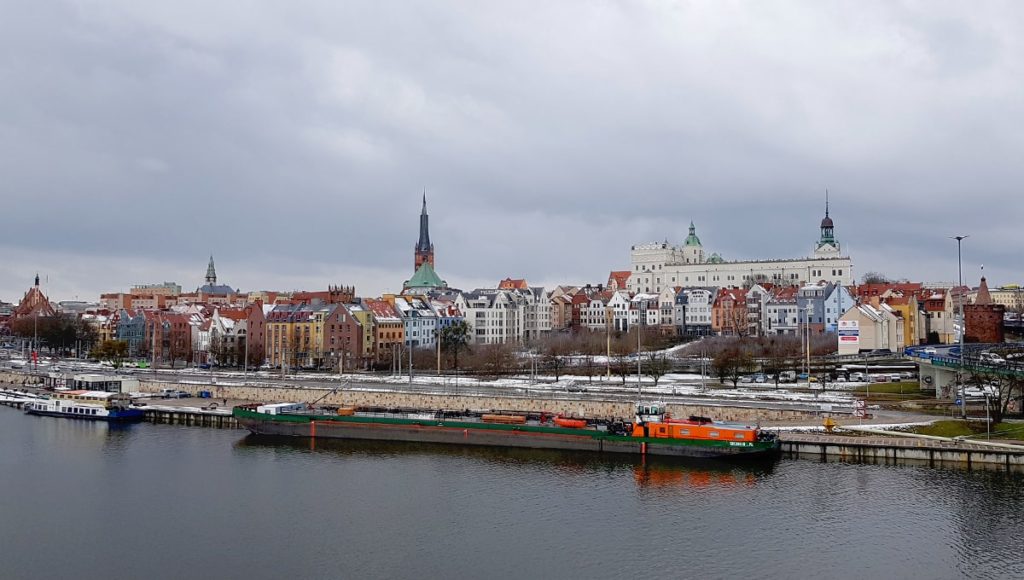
pixel 653 421
pixel 94 399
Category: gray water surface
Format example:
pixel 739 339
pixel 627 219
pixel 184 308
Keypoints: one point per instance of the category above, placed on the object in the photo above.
pixel 88 500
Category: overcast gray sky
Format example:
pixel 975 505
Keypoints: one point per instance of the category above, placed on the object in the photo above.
pixel 293 139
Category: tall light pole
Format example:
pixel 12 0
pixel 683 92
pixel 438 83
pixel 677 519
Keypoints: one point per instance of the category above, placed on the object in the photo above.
pixel 960 302
pixel 608 316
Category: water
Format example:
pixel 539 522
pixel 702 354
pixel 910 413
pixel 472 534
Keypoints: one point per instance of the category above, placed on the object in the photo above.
pixel 157 501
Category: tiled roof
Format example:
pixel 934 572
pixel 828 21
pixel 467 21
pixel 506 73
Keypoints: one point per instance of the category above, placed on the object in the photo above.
pixel 510 284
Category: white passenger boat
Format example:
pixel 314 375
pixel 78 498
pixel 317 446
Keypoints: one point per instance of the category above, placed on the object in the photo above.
pixel 94 405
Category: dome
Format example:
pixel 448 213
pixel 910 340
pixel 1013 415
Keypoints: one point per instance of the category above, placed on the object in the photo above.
pixel 827 222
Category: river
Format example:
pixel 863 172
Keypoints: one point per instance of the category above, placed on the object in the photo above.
pixel 89 500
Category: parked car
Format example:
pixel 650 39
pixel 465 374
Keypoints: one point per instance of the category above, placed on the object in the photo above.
pixel 787 377
pixel 930 351
pixel 980 392
pixel 992 358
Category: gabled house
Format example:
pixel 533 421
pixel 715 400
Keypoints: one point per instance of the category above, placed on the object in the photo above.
pixel 876 329
pixel 729 312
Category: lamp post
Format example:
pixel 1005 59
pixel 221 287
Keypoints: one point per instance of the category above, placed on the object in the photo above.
pixel 960 302
pixel 608 316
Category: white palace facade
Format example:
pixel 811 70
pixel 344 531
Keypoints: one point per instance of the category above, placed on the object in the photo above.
pixel 659 265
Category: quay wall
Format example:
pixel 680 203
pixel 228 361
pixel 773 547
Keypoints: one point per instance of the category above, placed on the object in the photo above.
pixel 584 406
pixel 588 405
pixel 894 451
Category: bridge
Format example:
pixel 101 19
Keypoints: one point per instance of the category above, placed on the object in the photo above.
pixel 940 365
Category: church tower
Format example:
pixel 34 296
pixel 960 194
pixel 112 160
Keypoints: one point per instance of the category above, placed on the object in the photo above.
pixel 211 273
pixel 693 251
pixel 424 251
pixel 828 245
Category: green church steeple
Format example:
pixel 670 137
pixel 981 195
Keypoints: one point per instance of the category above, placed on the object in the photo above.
pixel 692 239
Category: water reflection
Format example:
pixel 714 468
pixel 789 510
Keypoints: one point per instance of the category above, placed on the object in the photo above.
pixel 668 477
pixel 652 472
pixel 81 432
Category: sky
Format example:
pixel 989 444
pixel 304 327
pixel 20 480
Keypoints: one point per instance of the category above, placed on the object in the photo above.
pixel 293 140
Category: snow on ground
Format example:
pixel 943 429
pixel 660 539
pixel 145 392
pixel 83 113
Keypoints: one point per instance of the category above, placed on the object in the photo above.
pixel 673 384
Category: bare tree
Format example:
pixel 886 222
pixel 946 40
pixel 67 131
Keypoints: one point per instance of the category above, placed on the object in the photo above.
pixel 874 278
pixel 554 351
pixel 1008 392
pixel 656 366
pixel 731 365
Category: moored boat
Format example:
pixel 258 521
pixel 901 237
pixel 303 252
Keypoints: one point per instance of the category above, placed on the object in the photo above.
pixel 652 432
pixel 92 405
pixel 570 423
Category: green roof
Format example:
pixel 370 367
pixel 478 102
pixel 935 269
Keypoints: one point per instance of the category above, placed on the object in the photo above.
pixel 425 277
pixel 692 239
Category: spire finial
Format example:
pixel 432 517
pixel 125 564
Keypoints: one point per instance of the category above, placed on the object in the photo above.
pixel 424 200
pixel 826 202
pixel 211 272
pixel 37 279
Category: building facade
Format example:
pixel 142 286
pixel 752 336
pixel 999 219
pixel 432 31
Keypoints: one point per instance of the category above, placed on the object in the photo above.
pixel 655 266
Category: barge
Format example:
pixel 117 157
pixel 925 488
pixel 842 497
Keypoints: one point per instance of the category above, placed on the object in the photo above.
pixel 652 431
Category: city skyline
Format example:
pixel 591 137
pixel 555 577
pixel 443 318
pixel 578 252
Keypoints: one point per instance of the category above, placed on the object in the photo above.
pixel 138 140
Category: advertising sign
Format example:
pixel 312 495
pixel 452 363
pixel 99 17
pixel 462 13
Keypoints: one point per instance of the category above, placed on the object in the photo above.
pixel 849 332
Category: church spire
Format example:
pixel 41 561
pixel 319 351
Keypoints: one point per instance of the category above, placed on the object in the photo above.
pixel 211 273
pixel 424 250
pixel 37 279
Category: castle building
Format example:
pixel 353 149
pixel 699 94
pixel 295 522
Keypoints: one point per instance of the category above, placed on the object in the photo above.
pixel 659 265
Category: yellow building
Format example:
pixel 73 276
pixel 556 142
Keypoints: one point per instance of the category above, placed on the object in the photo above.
pixel 913 326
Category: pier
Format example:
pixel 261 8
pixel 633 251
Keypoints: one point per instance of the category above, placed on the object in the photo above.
pixel 190 416
pixel 895 450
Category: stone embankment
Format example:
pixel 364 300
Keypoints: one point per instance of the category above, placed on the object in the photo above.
pixel 588 405
pixel 582 406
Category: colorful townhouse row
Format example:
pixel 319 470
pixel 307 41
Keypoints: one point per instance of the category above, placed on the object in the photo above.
pixel 675 291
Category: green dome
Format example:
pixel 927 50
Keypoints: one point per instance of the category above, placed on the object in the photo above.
pixel 692 239
pixel 715 259
pixel 425 277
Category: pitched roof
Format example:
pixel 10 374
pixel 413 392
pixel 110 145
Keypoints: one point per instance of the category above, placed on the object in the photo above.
pixel 510 284
pixel 425 277
pixel 984 297
pixel 382 310
pixel 621 277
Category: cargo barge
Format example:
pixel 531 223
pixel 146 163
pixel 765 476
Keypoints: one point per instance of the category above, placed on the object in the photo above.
pixel 652 431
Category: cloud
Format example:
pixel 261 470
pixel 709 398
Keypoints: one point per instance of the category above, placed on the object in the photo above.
pixel 294 144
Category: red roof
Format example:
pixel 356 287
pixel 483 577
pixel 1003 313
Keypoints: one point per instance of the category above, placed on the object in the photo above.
pixel 233 313
pixel 510 284
pixel 785 293
pixel 381 309
pixel 621 277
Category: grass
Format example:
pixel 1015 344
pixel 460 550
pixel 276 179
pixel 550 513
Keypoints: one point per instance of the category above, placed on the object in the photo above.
pixel 905 388
pixel 972 429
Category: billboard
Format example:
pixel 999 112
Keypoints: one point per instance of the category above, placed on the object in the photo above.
pixel 849 332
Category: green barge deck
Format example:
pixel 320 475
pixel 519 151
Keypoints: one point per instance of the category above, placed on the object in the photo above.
pixel 469 432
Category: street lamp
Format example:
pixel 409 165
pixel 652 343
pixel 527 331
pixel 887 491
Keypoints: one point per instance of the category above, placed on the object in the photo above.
pixel 960 301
